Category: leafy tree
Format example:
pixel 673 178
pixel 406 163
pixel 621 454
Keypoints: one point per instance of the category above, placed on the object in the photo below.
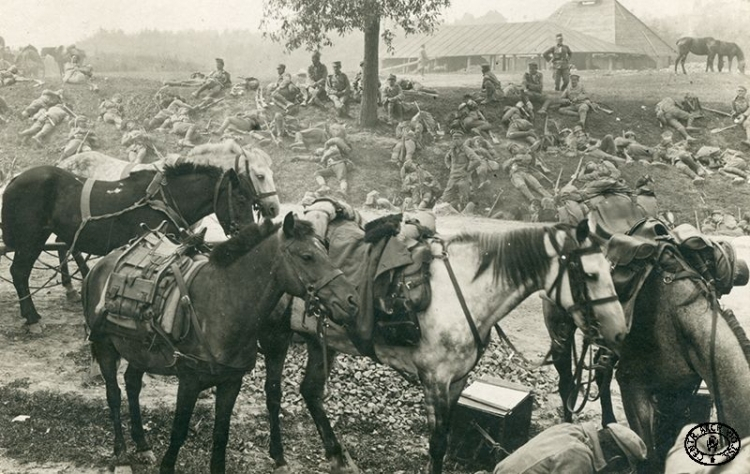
pixel 308 23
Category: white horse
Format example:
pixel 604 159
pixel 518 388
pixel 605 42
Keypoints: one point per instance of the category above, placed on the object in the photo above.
pixel 476 279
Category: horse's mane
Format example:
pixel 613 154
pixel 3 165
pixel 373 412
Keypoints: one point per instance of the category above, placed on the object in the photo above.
pixel 183 168
pixel 517 255
pixel 227 252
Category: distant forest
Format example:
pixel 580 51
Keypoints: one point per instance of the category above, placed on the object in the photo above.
pixel 246 53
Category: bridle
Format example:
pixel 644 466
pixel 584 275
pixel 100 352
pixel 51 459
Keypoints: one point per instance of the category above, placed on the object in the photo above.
pixel 569 261
pixel 257 197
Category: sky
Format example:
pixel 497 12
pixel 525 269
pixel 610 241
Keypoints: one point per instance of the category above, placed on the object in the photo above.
pixel 52 22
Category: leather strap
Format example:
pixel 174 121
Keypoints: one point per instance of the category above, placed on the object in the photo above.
pixel 86 199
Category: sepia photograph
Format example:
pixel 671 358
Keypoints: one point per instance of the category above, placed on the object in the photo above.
pixel 374 237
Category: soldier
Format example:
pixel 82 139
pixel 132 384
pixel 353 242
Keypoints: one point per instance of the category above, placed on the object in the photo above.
pixel 519 167
pixel 474 121
pixel 462 161
pixel 423 60
pixel 575 101
pixel 110 111
pixel 140 145
pixel 339 90
pixel 487 160
pixel 407 144
pixel 81 137
pixel 46 100
pixel 560 56
pixel 217 81
pixel 521 129
pixel 605 148
pixel 181 124
pixel 667 152
pixel 45 122
pixel 173 105
pixel 669 112
pixel 75 72
pixel 533 86
pixel 721 223
pixel 242 122
pixel 283 92
pixel 628 147
pixel 741 112
pixel 734 166
pixel 334 162
pixel 491 86
pixel 597 170
pixel 419 185
pixel 393 98
pixel 317 74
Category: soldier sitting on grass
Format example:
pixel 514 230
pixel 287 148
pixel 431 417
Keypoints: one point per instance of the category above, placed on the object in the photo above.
pixel 81 137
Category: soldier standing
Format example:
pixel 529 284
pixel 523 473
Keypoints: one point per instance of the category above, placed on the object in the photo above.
pixel 560 55
pixel 741 112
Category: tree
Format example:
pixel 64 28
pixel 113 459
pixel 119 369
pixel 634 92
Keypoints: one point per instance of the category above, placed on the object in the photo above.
pixel 308 23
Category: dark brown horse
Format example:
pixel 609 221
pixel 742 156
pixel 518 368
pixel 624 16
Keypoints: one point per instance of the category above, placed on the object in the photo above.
pixel 29 62
pixel 697 46
pixel 45 200
pixel 730 51
pixel 233 296
pixel 679 336
pixel 58 54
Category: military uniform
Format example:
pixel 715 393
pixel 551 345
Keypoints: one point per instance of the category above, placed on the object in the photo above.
pixel 576 102
pixel 487 159
pixel 216 81
pixel 242 122
pixel 419 185
pixel 560 55
pixel 491 85
pixel 406 144
pixel 668 112
pixel 335 162
pixel 393 98
pixel 140 145
pixel 741 112
pixel 533 86
pixel 667 152
pixel 110 111
pixel 284 91
pixel 473 120
pixel 521 129
pixel 80 139
pixel 519 168
pixel 462 161
pixel 45 122
pixel 340 91
pixel 317 74
pixel 44 101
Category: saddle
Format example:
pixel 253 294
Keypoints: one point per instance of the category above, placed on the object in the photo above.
pixel 388 262
pixel 146 293
pixel 613 213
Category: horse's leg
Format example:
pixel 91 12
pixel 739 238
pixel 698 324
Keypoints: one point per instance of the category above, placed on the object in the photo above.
pixel 561 330
pixel 187 394
pixel 275 345
pixel 226 396
pixel 709 62
pixel 71 293
pixel 106 355
pixel 133 385
pixel 20 271
pixel 604 382
pixel 313 391
pixel 684 58
pixel 440 398
pixel 640 412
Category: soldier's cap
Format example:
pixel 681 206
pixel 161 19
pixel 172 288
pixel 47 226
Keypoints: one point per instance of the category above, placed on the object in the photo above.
pixel 513 146
pixel 392 77
pixel 575 76
pixel 219 60
pixel 629 442
pixel 577 128
pixel 629 134
pixel 666 136
pixel 533 65
pixel 717 211
pixel 485 67
pixel 302 72
pixel 621 142
pixel 457 134
pixel 316 54
pixel 741 88
pixel 281 66
pixel 565 131
pixel 559 35
pixel 337 64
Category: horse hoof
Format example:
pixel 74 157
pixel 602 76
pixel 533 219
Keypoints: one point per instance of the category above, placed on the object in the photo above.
pixel 344 466
pixel 282 470
pixel 35 329
pixel 146 457
pixel 123 470
pixel 73 296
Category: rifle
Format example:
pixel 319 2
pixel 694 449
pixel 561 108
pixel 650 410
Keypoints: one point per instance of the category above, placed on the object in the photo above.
pixel 722 129
pixel 203 107
pixel 260 102
pixel 275 139
pixel 578 169
pixel 557 183
pixel 604 109
pixel 725 114
pixel 494 204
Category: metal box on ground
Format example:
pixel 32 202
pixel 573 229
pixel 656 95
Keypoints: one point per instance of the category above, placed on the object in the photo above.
pixel 492 419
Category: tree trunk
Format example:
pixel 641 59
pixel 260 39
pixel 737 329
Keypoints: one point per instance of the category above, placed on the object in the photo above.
pixel 368 114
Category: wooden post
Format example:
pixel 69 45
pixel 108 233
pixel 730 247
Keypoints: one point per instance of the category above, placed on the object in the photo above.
pixel 468 63
pixel 492 62
pixel 611 63
pixel 505 63
pixel 515 62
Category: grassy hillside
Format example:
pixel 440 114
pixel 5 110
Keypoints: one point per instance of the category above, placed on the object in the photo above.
pixel 631 95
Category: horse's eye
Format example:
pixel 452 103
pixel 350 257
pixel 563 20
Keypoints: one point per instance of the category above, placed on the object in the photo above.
pixel 307 257
pixel 261 177
pixel 592 276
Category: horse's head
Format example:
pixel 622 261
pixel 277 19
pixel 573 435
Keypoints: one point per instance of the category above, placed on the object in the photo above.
pixel 582 284
pixel 307 272
pixel 234 201
pixel 256 164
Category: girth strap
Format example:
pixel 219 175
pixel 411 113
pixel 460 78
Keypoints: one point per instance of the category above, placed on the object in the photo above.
pixel 86 199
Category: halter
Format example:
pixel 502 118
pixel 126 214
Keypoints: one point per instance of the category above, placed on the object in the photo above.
pixel 570 262
pixel 233 225
pixel 257 197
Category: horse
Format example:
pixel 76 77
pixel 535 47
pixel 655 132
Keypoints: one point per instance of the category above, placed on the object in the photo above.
pixel 698 46
pixel 232 296
pixel 252 162
pixel 58 54
pixel 29 62
pixel 679 336
pixel 731 51
pixel 45 200
pixel 493 274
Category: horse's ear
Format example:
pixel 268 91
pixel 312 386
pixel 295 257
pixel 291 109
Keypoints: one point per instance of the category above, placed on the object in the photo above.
pixel 582 231
pixel 289 223
pixel 233 177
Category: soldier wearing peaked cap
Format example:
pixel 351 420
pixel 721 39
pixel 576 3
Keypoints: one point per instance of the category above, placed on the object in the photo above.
pixel 393 97
pixel 560 56
pixel 216 82
pixel 491 86
pixel 317 73
pixel 339 90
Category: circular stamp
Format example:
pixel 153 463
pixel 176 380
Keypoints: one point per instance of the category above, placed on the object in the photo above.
pixel 712 444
